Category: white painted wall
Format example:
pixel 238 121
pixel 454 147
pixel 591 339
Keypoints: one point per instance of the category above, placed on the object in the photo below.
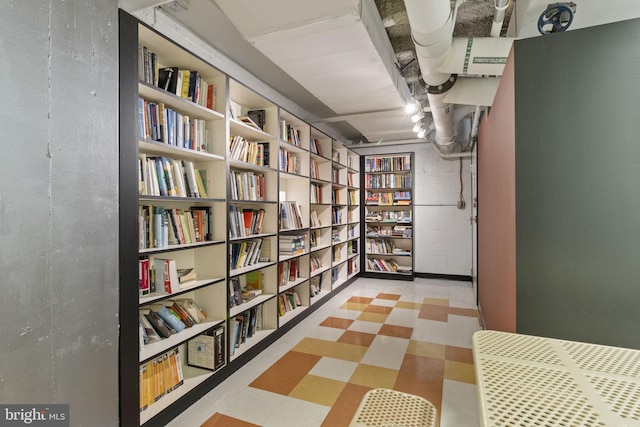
pixel 442 231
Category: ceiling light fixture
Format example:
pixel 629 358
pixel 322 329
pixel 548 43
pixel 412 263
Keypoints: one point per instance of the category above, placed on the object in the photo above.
pixel 417 126
pixel 417 116
pixel 413 107
pixel 422 132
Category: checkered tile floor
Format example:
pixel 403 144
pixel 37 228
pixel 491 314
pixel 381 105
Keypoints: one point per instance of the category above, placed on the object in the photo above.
pixel 413 337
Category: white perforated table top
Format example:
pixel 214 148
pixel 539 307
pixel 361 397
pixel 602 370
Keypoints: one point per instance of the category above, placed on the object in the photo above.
pixel 525 380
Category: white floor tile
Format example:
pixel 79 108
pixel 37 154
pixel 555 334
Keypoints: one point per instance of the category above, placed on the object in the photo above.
pixel 459 405
pixel 325 333
pixel 367 327
pixel 430 331
pixel 384 302
pixel 328 367
pixel 296 412
pixel 403 317
pixel 386 352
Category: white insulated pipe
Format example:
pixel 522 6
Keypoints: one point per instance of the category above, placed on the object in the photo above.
pixel 498 18
pixel 431 24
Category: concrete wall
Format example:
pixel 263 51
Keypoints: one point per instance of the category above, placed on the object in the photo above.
pixel 58 207
pixel 497 209
pixel 577 176
pixel 442 234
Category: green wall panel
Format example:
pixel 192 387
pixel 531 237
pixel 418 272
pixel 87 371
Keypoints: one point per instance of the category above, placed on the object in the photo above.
pixel 578 184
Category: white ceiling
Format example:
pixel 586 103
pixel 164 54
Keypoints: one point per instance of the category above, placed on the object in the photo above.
pixel 334 59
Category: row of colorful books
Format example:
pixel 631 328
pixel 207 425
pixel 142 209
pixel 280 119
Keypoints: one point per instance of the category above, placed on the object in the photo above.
pixel 290 216
pixel 247 253
pixel 288 301
pixel 159 377
pixel 187 84
pixel 256 153
pixel 168 317
pixel 387 164
pixel 245 222
pixel 247 185
pixel 162 176
pixel 161 227
pixel 160 123
pixel 289 162
pixel 244 326
pixel 387 180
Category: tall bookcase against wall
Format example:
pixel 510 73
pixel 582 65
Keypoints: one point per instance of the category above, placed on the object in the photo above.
pixel 388 215
pixel 320 241
pixel 221 183
pixel 353 213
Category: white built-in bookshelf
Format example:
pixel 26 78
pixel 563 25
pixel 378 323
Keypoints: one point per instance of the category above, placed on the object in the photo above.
pixel 388 187
pixel 257 208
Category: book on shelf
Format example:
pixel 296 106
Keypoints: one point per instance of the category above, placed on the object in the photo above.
pixel 208 350
pixel 288 272
pixel 291 244
pixel 315 285
pixel 244 326
pixel 335 156
pixel 159 376
pixel 166 275
pixel 161 176
pixel 170 318
pixel 144 283
pixel 388 163
pixel 353 266
pixel 253 285
pixel 289 133
pixel 158 324
pixel 314 219
pixel 290 217
pixel 315 263
pixel 335 275
pixel 242 150
pixel 316 193
pixel 258 117
pixel 386 265
pixel 244 254
pixel 186 277
pixel 316 147
pixel 192 308
pixel 336 215
pixel 247 185
pixel 235 109
pixel 235 291
pixel 290 162
pixel 149 333
pixel 314 238
pixel 249 122
pixel 315 170
pixel 387 180
pixel 288 301
pixel 147 65
pixel 245 222
pixel 160 123
pixel 168 79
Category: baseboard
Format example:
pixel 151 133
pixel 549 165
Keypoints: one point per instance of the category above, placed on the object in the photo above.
pixel 456 277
